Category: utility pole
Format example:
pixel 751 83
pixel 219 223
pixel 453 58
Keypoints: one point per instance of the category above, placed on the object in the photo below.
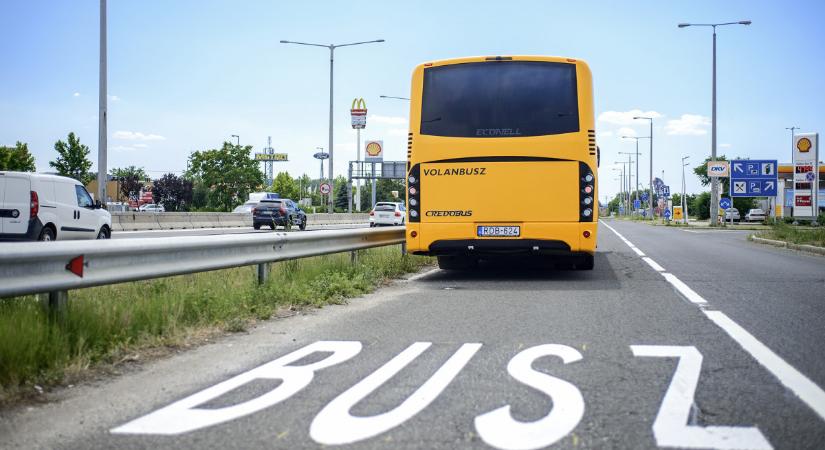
pixel 331 48
pixel 102 132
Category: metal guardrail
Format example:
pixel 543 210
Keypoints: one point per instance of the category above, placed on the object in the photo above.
pixel 56 267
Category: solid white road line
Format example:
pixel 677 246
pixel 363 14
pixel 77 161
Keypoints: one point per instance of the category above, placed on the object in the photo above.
pixel 421 275
pixel 652 264
pixel 799 384
pixel 807 391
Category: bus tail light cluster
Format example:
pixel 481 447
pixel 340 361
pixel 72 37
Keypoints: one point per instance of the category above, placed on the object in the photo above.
pixel 587 191
pixel 414 194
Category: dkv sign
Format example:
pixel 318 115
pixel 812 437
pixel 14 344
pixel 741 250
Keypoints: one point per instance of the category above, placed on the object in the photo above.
pixel 718 169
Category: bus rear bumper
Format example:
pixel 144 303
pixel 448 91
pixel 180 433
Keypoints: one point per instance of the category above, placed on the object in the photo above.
pixel 540 238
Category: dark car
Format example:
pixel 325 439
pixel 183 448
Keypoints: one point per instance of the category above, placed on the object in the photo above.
pixel 278 212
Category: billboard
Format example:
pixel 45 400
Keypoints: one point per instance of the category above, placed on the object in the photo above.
pixel 271 157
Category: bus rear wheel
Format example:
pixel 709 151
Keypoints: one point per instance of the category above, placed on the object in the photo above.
pixel 457 263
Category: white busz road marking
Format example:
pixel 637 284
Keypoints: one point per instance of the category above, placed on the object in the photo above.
pixel 807 391
pixel 335 425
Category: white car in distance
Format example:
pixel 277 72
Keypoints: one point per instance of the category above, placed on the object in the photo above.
pixel 152 207
pixel 387 213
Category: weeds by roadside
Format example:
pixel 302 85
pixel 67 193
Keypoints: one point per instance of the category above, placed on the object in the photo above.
pixel 105 323
pixel 795 234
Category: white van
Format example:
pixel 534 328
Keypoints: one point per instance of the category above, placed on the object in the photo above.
pixel 39 207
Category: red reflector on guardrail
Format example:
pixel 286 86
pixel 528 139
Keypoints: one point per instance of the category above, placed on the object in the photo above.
pixel 75 266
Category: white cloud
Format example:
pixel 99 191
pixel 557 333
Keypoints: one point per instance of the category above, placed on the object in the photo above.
pixel 725 145
pixel 114 98
pixel 688 125
pixel 76 94
pixel 141 145
pixel 123 148
pixel 603 134
pixel 626 131
pixel 137 136
pixel 397 132
pixel 626 117
pixel 387 120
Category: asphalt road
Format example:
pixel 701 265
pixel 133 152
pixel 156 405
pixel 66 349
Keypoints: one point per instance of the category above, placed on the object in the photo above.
pixel 711 342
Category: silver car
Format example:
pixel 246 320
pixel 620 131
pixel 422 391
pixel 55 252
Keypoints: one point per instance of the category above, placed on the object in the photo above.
pixel 734 212
pixel 755 215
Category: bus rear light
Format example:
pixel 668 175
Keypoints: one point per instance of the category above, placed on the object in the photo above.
pixel 586 234
pixel 413 233
pixel 413 194
pixel 587 191
pixel 34 205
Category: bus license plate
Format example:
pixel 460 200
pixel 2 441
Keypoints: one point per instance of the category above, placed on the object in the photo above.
pixel 498 231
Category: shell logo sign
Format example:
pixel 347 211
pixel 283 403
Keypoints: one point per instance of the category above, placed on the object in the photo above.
pixel 804 145
pixel 374 151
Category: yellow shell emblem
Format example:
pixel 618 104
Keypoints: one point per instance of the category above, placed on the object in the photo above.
pixel 803 145
pixel 373 149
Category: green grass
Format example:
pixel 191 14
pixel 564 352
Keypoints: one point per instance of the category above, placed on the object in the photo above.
pixel 795 234
pixel 104 324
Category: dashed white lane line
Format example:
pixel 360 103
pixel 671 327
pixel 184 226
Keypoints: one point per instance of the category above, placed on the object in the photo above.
pixel 807 391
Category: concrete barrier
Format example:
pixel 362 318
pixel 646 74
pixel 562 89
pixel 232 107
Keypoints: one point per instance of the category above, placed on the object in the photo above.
pixel 204 220
pixel 174 221
pixel 138 221
pixel 234 220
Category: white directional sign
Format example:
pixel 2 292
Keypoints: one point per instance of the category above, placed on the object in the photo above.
pixel 718 169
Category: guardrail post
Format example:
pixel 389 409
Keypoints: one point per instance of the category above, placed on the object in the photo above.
pixel 353 257
pixel 403 248
pixel 56 303
pixel 263 272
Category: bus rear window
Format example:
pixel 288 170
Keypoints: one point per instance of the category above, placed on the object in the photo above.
pixel 500 99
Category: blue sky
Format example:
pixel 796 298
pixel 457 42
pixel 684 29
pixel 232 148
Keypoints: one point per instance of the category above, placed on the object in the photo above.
pixel 185 75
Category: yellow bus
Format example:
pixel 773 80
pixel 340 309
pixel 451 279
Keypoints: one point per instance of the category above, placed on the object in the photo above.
pixel 502 160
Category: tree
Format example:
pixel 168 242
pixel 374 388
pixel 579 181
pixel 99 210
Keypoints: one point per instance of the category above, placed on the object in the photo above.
pixel 17 158
pixel 72 159
pixel 174 192
pixel 341 199
pixel 384 188
pixel 130 180
pixel 285 186
pixel 700 207
pixel 229 174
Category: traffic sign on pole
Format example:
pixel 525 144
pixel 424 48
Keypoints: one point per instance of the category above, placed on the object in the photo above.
pixel 725 203
pixel 637 204
pixel 665 191
pixel 753 178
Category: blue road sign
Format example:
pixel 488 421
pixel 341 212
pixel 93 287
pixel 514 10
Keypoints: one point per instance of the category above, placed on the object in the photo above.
pixel 667 213
pixel 621 209
pixel 644 213
pixel 665 191
pixel 753 178
pixel 810 176
pixel 644 196
pixel 637 204
pixel 725 203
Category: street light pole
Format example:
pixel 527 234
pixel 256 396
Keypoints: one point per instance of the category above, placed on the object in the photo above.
pixel 397 98
pixel 650 192
pixel 683 202
pixel 714 191
pixel 331 48
pixel 637 154
pixel 238 138
pixel 102 132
